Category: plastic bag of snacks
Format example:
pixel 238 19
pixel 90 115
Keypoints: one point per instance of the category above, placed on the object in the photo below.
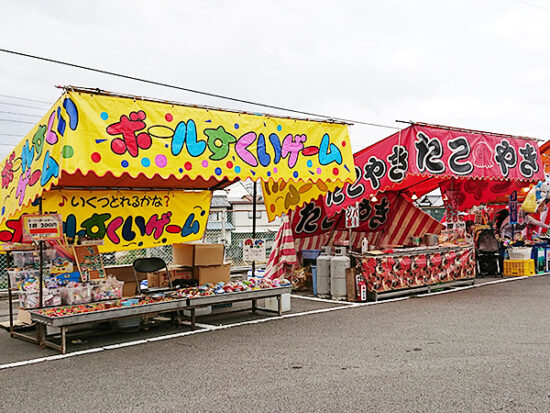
pixel 76 293
pixel 30 299
pixel 107 289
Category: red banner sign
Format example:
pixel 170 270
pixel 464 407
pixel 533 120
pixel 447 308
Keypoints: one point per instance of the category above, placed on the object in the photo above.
pixel 419 158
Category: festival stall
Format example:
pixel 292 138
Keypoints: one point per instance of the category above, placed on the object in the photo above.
pixel 470 168
pixel 114 172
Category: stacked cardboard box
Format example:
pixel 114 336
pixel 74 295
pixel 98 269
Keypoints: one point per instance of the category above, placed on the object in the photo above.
pixel 205 260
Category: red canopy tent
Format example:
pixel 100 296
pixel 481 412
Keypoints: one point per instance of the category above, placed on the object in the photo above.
pixel 477 166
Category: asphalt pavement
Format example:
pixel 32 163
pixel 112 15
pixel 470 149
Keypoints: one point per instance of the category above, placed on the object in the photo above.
pixel 480 349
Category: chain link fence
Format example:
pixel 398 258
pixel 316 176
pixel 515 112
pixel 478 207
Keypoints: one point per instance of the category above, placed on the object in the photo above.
pixel 223 228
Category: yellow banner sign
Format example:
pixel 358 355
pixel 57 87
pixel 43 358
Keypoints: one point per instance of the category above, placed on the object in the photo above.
pixel 132 219
pixel 283 196
pixel 100 136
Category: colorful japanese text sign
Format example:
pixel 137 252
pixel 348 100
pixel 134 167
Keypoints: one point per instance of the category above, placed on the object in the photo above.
pixel 311 219
pixel 408 159
pixel 142 139
pixel 41 227
pixel 132 219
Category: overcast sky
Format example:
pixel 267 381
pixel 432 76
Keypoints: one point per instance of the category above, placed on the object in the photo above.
pixel 474 64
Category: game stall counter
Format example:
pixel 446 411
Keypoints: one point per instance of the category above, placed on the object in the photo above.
pixel 469 167
pixel 410 270
pixel 175 301
pixel 146 180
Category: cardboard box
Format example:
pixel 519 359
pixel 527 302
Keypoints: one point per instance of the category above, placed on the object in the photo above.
pixel 208 254
pixel 212 274
pixel 175 274
pixel 180 273
pixel 153 280
pixel 182 254
pixel 125 273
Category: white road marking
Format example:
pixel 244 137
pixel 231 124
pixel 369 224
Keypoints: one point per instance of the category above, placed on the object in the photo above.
pixel 322 300
pixel 208 328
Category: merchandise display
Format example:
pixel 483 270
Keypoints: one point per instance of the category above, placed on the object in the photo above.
pixel 231 287
pixel 417 268
pixel 31 299
pixel 76 293
pixel 252 284
pixel 107 289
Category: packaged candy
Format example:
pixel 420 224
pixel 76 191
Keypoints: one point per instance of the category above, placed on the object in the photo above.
pixel 76 293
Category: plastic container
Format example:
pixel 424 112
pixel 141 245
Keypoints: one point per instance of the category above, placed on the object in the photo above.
pixel 310 254
pixel 519 253
pixel 23 258
pixel 22 278
pixel 30 299
pixel 109 289
pixel 517 268
pixel 80 294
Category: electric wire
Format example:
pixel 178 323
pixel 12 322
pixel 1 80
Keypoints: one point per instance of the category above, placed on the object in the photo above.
pixel 17 121
pixel 19 114
pixel 185 89
pixel 20 106
pixel 27 99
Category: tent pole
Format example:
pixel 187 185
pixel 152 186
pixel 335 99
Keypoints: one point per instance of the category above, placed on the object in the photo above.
pixel 254 224
pixel 41 269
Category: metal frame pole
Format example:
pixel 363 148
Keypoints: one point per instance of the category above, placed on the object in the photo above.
pixel 41 270
pixel 254 192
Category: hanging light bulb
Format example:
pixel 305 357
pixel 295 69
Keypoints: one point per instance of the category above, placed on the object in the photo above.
pixel 414 197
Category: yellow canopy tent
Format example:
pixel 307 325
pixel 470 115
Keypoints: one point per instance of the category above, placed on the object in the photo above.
pixel 97 153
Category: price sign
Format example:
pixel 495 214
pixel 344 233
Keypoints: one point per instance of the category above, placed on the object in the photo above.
pixel 352 216
pixel 513 208
pixel 37 227
pixel 254 250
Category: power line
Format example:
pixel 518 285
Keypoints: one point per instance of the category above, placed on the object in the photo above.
pixel 19 114
pixel 27 99
pixel 21 106
pixel 215 95
pixel 17 121
pixel 10 134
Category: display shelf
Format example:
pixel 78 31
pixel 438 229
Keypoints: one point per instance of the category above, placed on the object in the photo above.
pixel 239 296
pixel 110 314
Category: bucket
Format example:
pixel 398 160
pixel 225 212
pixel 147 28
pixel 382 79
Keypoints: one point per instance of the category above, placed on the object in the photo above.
pixel 314 278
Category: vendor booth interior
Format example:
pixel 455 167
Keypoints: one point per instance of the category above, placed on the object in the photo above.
pixel 369 237
pixel 104 172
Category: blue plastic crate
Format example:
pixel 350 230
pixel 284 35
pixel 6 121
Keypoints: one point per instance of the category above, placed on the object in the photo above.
pixel 310 254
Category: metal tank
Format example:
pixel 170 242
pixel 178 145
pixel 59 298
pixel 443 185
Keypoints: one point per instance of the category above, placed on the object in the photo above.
pixel 323 272
pixel 338 265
